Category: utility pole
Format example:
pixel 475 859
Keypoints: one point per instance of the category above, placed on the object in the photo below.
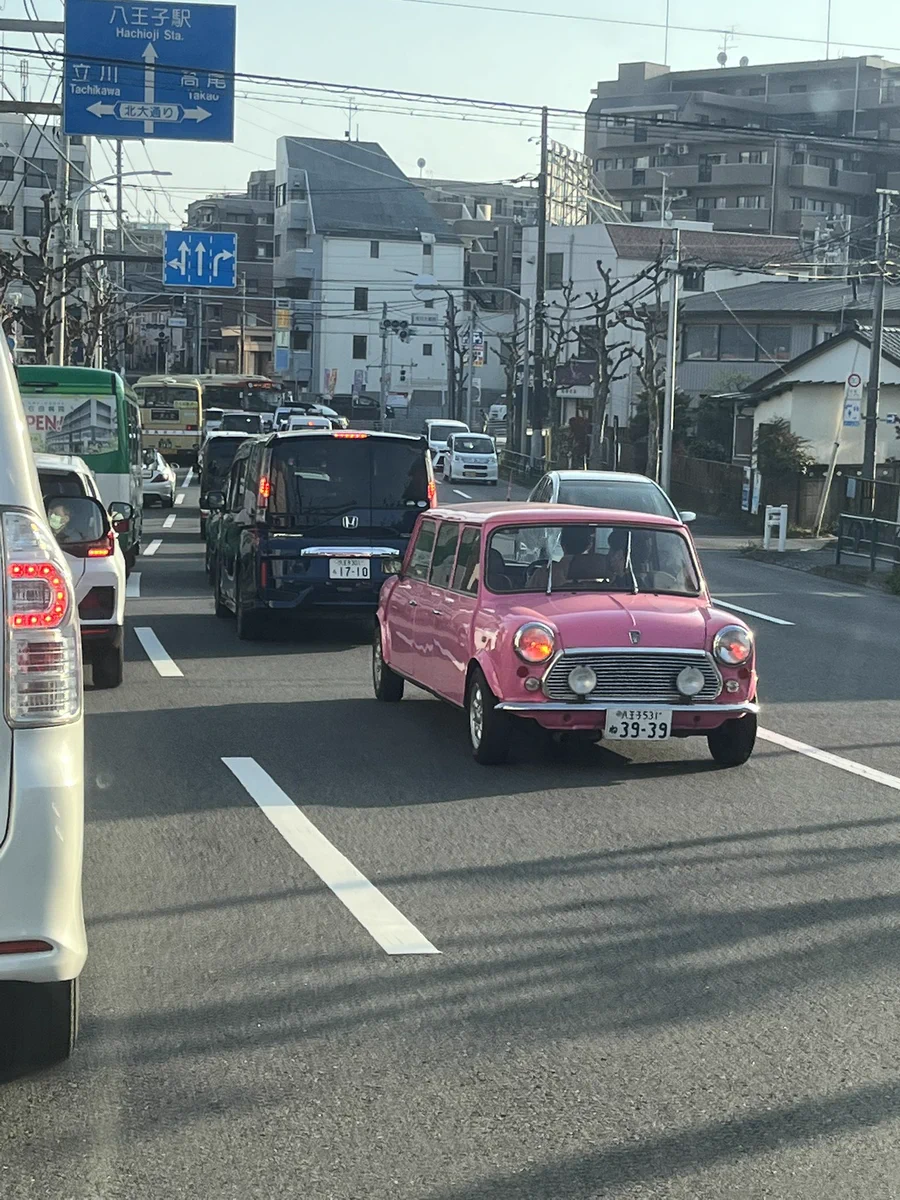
pixel 58 255
pixel 451 356
pixel 241 356
pixel 199 347
pixel 383 379
pixel 540 390
pixel 874 385
pixel 471 375
pixel 668 425
pixel 119 320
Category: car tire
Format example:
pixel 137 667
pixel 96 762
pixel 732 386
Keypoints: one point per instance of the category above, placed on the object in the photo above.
pixel 387 684
pixel 732 743
pixel 221 608
pixel 167 501
pixel 249 624
pixel 108 664
pixel 130 557
pixel 490 731
pixel 493 482
pixel 210 569
pixel 202 530
pixel 39 1023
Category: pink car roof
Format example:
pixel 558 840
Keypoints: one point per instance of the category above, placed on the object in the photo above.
pixel 506 513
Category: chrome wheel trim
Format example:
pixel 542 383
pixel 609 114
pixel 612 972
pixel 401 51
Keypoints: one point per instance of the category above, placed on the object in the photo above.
pixel 476 715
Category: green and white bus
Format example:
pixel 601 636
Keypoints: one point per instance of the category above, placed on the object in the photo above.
pixel 94 414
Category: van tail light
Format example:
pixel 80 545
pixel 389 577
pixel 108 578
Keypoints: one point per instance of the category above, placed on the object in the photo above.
pixel 350 433
pixel 43 684
pixel 432 494
pixel 265 489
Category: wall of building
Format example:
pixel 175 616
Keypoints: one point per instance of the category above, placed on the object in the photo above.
pixel 815 412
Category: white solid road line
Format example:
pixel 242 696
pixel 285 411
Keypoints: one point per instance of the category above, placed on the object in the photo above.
pixel 832 760
pixel 133 586
pixel 465 495
pixel 152 548
pixel 750 612
pixel 179 499
pixel 187 479
pixel 387 925
pixel 169 521
pixel 156 653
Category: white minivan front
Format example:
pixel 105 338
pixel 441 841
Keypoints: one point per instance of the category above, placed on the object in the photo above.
pixel 42 938
pixel 471 456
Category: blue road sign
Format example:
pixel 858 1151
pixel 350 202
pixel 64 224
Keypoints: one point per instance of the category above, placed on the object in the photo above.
pixel 150 70
pixel 193 259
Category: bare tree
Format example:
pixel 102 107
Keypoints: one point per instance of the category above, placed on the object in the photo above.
pixel 648 318
pixel 561 334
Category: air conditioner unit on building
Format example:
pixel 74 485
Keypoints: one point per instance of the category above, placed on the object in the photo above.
pixel 801 146
pixel 683 148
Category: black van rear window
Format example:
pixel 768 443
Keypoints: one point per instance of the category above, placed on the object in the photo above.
pixel 318 476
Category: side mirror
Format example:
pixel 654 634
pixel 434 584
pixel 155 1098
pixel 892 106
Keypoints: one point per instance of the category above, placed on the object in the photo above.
pixel 215 501
pixel 687 517
pixel 121 510
pixel 76 520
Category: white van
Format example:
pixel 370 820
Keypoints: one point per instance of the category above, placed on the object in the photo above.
pixel 437 431
pixel 471 456
pixel 42 939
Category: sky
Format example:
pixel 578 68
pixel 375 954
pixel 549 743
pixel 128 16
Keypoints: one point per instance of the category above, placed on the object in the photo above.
pixel 468 51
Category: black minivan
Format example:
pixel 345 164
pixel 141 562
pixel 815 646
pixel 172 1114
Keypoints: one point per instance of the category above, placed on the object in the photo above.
pixel 317 520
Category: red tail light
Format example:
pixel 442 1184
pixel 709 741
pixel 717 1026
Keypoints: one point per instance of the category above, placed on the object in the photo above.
pixel 350 433
pixel 28 946
pixel 265 488
pixel 40 598
pixel 103 548
pixel 158 478
pixel 432 494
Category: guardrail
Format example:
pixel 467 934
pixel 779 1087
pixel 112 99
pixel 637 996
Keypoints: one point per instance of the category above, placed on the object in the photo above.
pixel 867 537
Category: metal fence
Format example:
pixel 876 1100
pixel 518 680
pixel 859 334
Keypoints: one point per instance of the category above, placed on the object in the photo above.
pixel 870 538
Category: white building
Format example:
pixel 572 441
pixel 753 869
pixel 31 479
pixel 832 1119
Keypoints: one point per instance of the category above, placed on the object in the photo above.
pixel 29 154
pixel 713 261
pixel 351 236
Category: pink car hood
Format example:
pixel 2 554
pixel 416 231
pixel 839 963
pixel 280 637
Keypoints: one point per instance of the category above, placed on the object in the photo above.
pixel 598 619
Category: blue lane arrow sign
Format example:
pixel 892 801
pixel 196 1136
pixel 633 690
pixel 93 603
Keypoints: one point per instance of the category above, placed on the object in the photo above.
pixel 195 259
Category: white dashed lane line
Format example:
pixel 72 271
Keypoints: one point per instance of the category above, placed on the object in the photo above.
pixel 831 760
pixel 749 612
pixel 387 925
pixel 187 479
pixel 157 654
pixel 465 495
pixel 152 548
pixel 179 499
pixel 169 521
pixel 133 586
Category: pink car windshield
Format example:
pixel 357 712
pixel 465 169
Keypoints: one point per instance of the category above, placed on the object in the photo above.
pixel 589 558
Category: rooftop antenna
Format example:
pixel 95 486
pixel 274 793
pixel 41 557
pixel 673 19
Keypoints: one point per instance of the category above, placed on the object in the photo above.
pixel 722 56
pixel 351 109
pixel 421 165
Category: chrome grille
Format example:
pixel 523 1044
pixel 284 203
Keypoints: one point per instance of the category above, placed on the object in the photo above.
pixel 633 675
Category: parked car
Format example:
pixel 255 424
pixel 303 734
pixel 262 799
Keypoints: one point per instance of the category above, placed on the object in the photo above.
pixel 89 538
pixel 592 622
pixel 471 456
pixel 159 479
pixel 606 489
pixel 436 434
pixel 213 464
pixel 42 938
pixel 316 520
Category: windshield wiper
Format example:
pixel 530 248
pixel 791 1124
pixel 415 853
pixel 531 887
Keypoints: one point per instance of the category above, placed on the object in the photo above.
pixel 629 568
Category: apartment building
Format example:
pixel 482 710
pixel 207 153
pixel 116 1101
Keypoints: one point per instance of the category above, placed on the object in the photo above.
pixel 29 153
pixel 489 219
pixel 352 233
pixel 652 130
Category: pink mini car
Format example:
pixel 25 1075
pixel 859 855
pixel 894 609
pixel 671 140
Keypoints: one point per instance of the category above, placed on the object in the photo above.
pixel 588 621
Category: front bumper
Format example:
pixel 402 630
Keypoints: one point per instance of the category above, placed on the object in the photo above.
pixel 41 857
pixel 686 718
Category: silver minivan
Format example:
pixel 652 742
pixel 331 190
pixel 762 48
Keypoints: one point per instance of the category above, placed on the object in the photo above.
pixel 42 938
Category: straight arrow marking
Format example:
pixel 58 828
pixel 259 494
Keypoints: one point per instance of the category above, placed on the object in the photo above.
pixel 149 56
pixel 201 254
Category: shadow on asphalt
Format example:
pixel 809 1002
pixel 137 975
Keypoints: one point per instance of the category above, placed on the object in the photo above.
pixel 189 636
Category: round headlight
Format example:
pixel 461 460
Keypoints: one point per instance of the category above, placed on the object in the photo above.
pixel 690 681
pixel 582 680
pixel 733 645
pixel 535 642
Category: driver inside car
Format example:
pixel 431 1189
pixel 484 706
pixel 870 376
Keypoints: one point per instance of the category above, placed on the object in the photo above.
pixel 578 561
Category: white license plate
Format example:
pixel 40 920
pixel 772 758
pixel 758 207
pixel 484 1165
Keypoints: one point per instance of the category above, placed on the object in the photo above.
pixel 638 724
pixel 349 568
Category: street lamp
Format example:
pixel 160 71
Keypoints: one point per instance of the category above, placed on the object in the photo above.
pixel 92 187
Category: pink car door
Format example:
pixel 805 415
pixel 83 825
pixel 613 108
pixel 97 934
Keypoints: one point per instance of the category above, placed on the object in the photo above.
pixel 452 602
pixel 409 599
